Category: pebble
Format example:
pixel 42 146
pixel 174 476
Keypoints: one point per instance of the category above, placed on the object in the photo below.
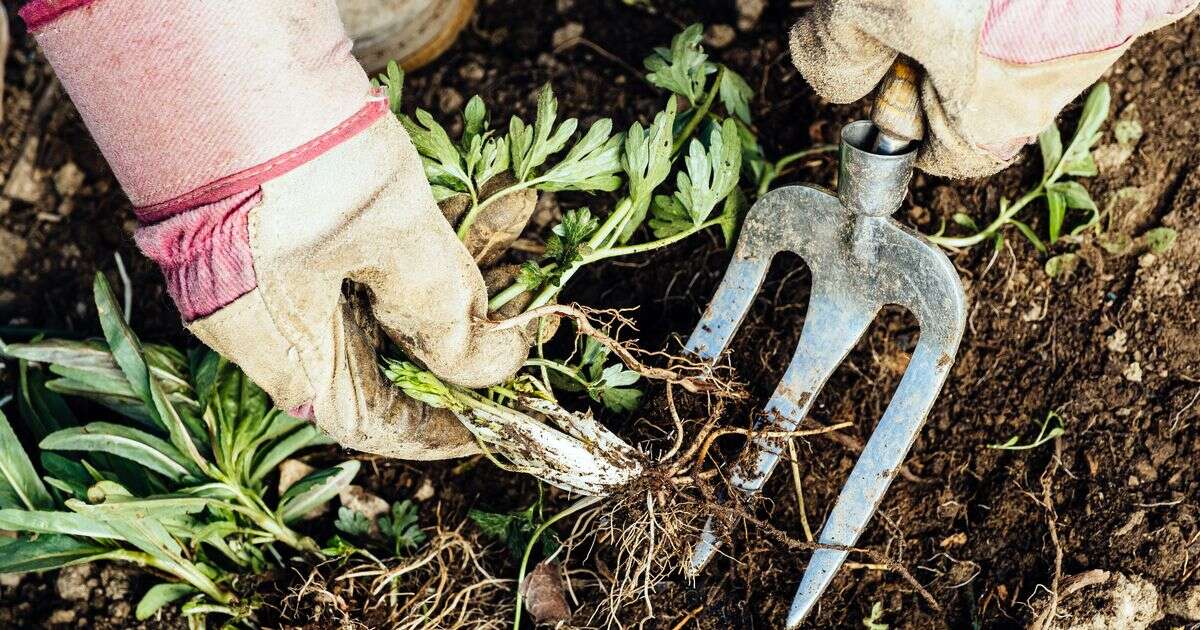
pixel 12 250
pixel 356 498
pixel 566 34
pixel 68 179
pixel 749 12
pixel 471 71
pixel 719 35
pixel 450 100
pixel 61 617
pixel 425 492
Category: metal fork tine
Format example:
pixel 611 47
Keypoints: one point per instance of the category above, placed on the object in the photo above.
pixel 834 323
pixel 729 306
pixel 875 470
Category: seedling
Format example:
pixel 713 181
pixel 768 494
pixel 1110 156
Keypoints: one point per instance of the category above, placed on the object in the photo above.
pixel 1060 195
pixel 1052 427
pixel 177 481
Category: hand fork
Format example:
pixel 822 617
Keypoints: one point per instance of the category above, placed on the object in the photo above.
pixel 860 260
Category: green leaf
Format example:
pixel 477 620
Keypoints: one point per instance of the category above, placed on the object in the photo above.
pixel 711 173
pixel 731 215
pixel 160 595
pixel 590 165
pixel 1062 265
pixel 1082 167
pixel 44 522
pixel 735 95
pixel 683 68
pixel 1087 132
pixel 1050 143
pixel 531 146
pixel 434 144
pixel 303 437
pixel 1074 194
pixel 392 81
pixel 669 217
pixel 43 411
pixel 1057 203
pixel 1116 244
pixel 1160 239
pixel 46 551
pixel 123 344
pixel 352 522
pixel 965 220
pixel 474 119
pixel 647 163
pixel 338 547
pixel 315 490
pixel 20 486
pixel 70 472
pixel 403 526
pixel 491 523
pixel 137 446
pixel 621 399
pixel 1025 231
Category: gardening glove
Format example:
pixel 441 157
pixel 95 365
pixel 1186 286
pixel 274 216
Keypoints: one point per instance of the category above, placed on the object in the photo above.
pixel 266 174
pixel 996 72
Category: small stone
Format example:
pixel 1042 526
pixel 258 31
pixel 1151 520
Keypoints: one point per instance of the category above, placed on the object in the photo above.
pixel 425 492
pixel 11 580
pixel 61 617
pixel 472 71
pixel 450 100
pixel 749 12
pixel 719 35
pixel 12 250
pixel 566 34
pixel 1133 372
pixel 564 5
pixel 356 498
pixel 72 583
pixel 68 179
pixel 1116 342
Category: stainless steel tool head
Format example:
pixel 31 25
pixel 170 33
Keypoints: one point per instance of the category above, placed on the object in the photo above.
pixel 860 260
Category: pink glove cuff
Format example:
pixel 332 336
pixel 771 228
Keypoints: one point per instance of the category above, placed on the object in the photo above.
pixel 184 93
pixel 195 104
pixel 1034 31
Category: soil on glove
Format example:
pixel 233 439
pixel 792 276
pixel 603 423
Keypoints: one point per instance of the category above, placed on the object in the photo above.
pixel 1113 347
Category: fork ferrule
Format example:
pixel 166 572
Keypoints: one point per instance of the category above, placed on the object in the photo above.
pixel 871 183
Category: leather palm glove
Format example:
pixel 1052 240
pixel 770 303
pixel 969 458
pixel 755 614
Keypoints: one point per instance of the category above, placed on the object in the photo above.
pixel 997 72
pixel 266 175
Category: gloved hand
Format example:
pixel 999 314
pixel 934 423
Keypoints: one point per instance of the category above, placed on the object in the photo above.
pixel 996 72
pixel 266 175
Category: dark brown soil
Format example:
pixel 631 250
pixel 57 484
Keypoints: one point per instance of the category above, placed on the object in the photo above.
pixel 1114 348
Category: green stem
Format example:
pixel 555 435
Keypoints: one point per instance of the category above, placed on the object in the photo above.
pixel 186 572
pixel 782 163
pixel 537 534
pixel 560 368
pixel 699 114
pixel 629 250
pixel 994 226
pixel 264 518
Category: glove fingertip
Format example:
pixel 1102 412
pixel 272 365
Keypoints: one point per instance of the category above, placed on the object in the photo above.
pixel 841 67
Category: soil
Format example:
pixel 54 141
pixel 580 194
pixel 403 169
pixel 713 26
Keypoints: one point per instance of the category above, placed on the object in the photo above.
pixel 1113 347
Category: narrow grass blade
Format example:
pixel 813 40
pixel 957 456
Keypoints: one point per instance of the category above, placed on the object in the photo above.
pixel 20 486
